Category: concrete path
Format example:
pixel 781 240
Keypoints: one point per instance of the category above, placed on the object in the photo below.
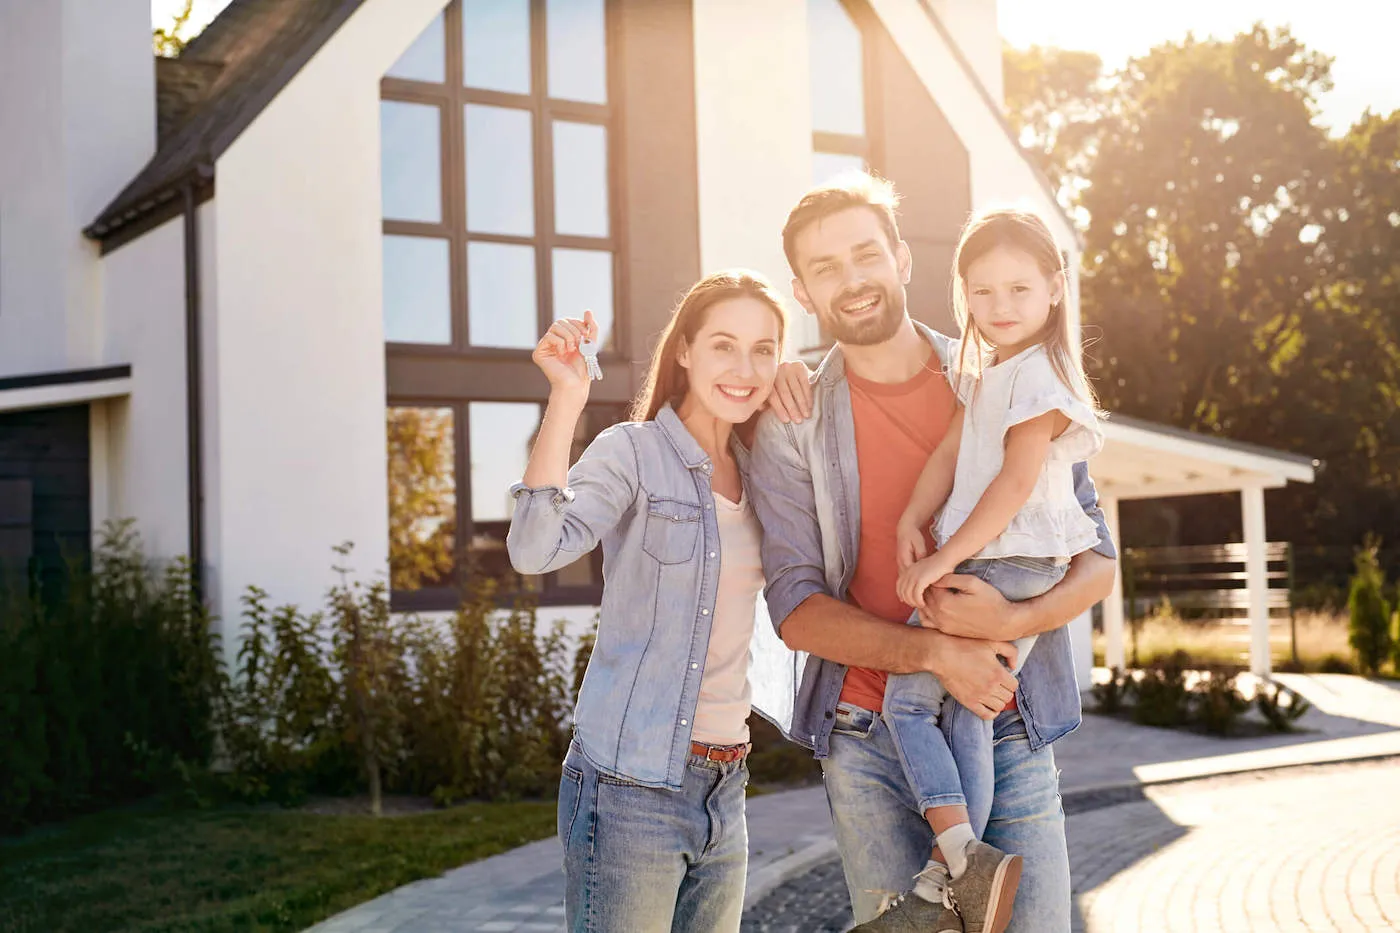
pixel 1107 761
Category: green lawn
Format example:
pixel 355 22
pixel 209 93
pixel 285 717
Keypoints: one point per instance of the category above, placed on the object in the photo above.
pixel 150 869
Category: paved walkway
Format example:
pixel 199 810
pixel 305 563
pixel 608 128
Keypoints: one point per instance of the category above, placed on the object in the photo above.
pixel 1105 762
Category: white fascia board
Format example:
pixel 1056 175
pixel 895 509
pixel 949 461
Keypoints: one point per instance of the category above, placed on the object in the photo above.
pixel 1263 466
pixel 52 396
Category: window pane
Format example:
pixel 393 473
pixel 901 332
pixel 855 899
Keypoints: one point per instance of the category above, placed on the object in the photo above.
pixel 500 437
pixel 425 59
pixel 827 165
pixel 577 34
pixel 580 179
pixel 417 290
pixel 583 280
pixel 838 78
pixel 502 308
pixel 411 148
pixel 500 171
pixel 422 497
pixel 496 44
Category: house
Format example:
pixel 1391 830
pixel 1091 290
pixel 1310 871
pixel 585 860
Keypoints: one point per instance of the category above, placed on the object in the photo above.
pixel 230 282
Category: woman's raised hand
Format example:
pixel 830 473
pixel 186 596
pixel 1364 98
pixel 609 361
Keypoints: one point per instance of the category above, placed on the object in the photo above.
pixel 558 357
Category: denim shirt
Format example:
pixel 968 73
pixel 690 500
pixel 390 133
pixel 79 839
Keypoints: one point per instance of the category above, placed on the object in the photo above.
pixel 642 489
pixel 805 485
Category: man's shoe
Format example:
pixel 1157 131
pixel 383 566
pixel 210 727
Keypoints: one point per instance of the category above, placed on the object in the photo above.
pixel 985 892
pixel 912 914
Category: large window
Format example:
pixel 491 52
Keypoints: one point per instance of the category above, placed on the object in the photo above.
pixel 497 176
pixel 450 471
pixel 838 82
pixel 499 201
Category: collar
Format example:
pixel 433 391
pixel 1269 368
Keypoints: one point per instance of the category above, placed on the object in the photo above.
pixel 688 448
pixel 833 367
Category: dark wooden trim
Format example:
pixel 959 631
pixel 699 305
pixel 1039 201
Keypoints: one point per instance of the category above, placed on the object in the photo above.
pixel 417 228
pixel 65 377
pixel 141 220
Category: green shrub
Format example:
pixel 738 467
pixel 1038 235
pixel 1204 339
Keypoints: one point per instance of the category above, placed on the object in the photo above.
pixel 1111 697
pixel 1369 611
pixel 1217 703
pixel 1336 664
pixel 1280 706
pixel 1162 697
pixel 107 689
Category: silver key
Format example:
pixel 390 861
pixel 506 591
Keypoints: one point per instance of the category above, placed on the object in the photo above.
pixel 589 350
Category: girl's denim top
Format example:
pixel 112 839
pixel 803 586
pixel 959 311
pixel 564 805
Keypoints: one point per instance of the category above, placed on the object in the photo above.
pixel 642 489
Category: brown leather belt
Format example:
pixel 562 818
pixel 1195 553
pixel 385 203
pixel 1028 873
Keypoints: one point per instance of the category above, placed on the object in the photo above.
pixel 724 753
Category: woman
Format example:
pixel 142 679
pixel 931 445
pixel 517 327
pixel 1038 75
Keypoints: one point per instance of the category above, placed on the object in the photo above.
pixel 651 804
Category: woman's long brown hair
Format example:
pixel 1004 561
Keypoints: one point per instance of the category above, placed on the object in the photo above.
pixel 667 380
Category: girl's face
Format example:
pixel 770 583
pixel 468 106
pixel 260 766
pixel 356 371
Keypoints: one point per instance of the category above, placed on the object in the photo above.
pixel 733 360
pixel 1009 298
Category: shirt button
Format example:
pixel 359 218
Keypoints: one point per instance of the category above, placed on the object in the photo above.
pixel 704 612
pixel 712 555
pixel 708 507
pixel 684 723
pixel 694 665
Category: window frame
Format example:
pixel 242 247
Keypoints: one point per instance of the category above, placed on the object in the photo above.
pixel 451 99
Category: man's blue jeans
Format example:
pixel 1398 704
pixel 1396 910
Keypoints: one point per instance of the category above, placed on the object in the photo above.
pixel 651 859
pixel 884 838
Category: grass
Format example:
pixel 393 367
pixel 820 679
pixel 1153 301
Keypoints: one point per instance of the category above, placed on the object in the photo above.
pixel 1322 641
pixel 151 868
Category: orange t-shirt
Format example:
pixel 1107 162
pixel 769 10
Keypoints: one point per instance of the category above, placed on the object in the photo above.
pixel 897 428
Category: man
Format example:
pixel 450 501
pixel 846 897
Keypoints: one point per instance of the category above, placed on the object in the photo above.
pixel 829 491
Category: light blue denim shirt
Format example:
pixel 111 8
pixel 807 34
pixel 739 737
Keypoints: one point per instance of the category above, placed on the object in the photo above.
pixel 805 485
pixel 642 489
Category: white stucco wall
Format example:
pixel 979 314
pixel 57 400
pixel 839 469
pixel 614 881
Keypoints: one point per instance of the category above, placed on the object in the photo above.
pixel 973 24
pixel 77 122
pixel 143 305
pixel 754 131
pixel 298 367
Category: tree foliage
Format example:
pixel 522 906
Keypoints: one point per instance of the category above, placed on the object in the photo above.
pixel 1242 265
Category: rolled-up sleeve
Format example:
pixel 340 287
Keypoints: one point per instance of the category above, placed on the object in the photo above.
pixel 781 486
pixel 1089 500
pixel 554 527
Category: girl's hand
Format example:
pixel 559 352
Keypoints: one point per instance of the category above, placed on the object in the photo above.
pixel 558 358
pixel 909 544
pixel 915 579
pixel 791 400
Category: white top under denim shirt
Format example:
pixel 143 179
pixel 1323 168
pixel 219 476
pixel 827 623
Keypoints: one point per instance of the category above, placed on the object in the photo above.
pixel 642 490
pixel 1052 523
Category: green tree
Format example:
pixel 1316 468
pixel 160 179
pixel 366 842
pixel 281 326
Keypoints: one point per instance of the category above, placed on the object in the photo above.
pixel 1053 100
pixel 169 41
pixel 1370 613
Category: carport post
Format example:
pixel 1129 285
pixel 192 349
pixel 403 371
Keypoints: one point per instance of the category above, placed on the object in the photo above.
pixel 1113 606
pixel 1257 580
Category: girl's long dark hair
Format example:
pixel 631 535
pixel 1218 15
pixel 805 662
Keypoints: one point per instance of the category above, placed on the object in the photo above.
pixel 667 379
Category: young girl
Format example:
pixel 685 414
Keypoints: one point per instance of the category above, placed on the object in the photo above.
pixel 1000 483
pixel 651 804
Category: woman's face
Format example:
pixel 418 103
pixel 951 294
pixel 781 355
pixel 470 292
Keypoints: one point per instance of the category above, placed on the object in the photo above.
pixel 733 359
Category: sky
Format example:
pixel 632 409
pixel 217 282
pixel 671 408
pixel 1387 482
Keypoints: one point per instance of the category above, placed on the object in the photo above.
pixel 1359 34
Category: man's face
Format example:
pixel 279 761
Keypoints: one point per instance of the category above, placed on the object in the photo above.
pixel 852 277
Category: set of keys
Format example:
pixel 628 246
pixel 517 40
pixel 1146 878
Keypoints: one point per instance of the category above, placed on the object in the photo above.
pixel 588 349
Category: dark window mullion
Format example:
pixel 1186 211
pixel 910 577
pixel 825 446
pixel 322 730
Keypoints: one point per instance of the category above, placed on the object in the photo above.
pixel 456 190
pixel 508 238
pixel 463 460
pixel 544 161
pixel 476 95
pixel 414 92
pixel 417 228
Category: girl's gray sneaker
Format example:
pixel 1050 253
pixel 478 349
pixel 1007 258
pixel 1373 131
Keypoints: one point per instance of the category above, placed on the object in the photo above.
pixel 911 912
pixel 985 892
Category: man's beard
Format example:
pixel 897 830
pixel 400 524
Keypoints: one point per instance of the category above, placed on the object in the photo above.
pixel 864 333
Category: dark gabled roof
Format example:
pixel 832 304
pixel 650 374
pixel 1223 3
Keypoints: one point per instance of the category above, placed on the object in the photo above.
pixel 215 89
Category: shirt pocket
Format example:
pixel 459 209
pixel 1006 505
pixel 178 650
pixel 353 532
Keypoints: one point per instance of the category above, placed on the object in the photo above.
pixel 673 528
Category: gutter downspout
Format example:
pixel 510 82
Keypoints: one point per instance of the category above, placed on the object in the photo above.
pixel 194 381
